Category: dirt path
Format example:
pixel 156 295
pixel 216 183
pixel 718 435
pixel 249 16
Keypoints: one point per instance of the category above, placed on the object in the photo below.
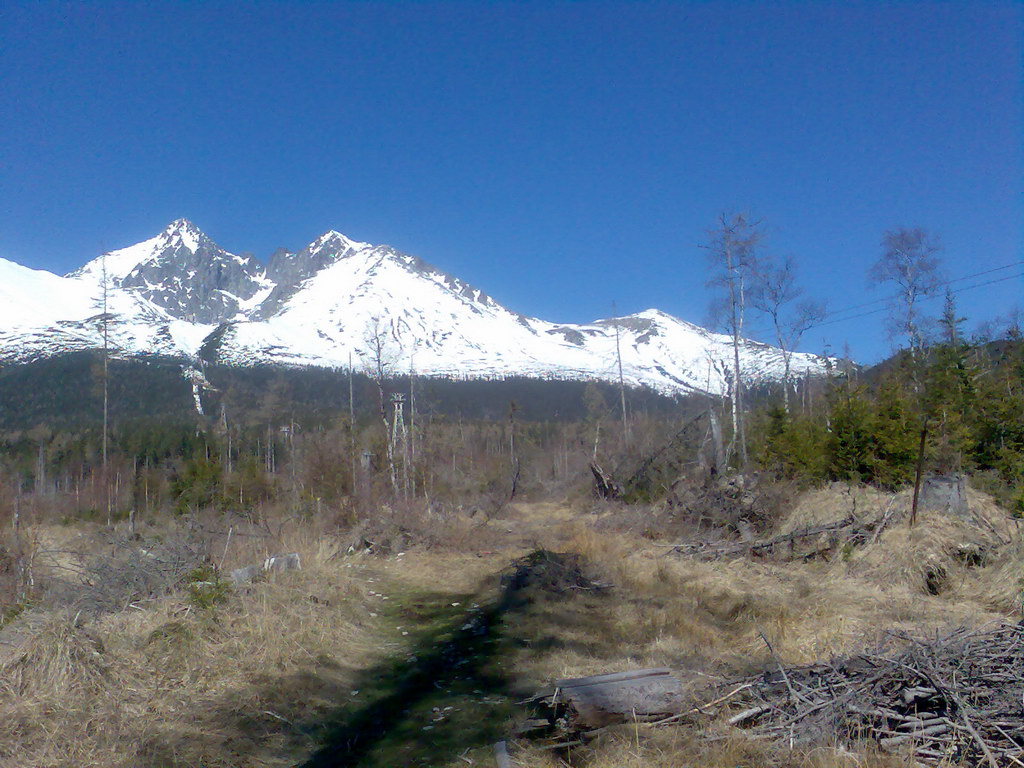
pixel 533 525
pixel 452 694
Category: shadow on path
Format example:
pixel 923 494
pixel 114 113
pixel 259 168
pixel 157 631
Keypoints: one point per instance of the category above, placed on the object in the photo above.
pixel 451 694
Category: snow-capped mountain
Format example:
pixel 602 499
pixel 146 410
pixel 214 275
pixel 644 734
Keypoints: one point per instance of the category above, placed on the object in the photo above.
pixel 338 301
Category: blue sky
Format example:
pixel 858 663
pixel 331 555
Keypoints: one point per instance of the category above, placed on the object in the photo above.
pixel 560 156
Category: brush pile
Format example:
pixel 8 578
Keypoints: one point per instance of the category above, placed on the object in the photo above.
pixel 831 534
pixel 957 699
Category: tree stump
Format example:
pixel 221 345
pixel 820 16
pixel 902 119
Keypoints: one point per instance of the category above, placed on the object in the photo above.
pixel 945 493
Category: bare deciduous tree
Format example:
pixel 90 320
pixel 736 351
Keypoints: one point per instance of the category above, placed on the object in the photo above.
pixel 910 261
pixel 732 253
pixel 775 294
pixel 379 360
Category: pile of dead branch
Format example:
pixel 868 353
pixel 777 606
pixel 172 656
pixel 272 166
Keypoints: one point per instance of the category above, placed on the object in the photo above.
pixel 808 542
pixel 115 570
pixel 952 700
pixel 831 535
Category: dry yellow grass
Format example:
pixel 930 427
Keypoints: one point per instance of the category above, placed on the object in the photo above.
pixel 642 746
pixel 837 501
pixel 171 684
pixel 808 610
pixel 167 684
pixel 999 586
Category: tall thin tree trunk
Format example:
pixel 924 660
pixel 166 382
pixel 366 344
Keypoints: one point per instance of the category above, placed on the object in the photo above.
pixel 512 450
pixel 737 429
pixel 410 458
pixel 351 423
pixel 622 385
pixel 40 469
pixel 106 350
pixel 739 381
pixel 716 441
pixel 785 381
pixel 105 327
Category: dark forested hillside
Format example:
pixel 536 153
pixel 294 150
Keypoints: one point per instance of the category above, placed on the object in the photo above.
pixel 67 392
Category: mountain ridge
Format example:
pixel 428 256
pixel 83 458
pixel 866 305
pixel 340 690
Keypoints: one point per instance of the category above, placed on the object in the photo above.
pixel 330 302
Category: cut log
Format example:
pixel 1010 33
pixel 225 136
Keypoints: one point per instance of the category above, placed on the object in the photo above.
pixel 747 714
pixel 735 548
pixel 614 677
pixel 601 700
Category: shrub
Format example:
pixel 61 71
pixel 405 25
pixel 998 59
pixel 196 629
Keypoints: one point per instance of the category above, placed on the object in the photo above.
pixel 206 589
pixel 198 485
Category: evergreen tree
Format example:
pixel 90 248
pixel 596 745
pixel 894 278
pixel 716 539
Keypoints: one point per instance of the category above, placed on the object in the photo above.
pixel 849 446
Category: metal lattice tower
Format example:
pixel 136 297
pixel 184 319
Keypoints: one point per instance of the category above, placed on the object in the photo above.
pixel 399 442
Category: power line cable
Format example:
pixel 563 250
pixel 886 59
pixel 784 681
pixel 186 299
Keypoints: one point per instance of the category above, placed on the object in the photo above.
pixel 957 291
pixel 938 285
pixel 829 315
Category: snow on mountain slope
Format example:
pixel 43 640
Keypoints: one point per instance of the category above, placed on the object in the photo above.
pixel 43 314
pixel 180 294
pixel 288 271
pixel 32 297
pixel 439 325
pixel 426 317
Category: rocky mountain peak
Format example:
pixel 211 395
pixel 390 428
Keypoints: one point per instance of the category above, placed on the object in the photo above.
pixel 179 244
pixel 184 233
pixel 288 270
pixel 184 272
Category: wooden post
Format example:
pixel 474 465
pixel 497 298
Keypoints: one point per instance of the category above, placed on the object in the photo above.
pixel 917 475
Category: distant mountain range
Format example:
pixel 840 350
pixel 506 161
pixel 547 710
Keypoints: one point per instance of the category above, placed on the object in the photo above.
pixel 181 295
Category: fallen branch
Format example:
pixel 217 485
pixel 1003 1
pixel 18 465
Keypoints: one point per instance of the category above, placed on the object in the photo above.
pixel 753 547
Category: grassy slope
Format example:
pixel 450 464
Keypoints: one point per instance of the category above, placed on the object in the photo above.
pixel 336 664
